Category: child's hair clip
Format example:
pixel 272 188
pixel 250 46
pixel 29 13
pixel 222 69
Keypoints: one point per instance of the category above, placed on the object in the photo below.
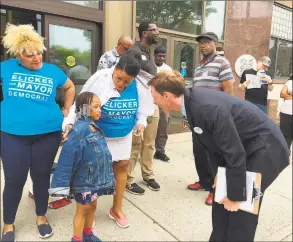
pixel 84 110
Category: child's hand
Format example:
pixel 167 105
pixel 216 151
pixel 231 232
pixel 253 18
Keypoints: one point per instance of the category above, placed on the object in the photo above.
pixel 68 127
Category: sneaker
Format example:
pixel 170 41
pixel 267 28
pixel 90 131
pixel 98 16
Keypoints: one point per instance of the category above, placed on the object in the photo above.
pixel 135 189
pixel 90 237
pixel 122 223
pixel 9 236
pixel 45 230
pixel 161 156
pixel 152 184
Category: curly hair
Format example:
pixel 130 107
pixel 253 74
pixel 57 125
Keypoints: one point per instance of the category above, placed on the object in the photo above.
pixel 20 39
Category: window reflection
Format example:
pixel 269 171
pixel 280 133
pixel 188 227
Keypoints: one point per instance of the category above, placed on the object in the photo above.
pixel 284 59
pixel 184 52
pixel 215 17
pixel 71 50
pixel 273 52
pixel 183 16
pixel 281 56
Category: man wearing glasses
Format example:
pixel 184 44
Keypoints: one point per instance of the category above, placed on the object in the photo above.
pixel 111 57
pixel 148 34
pixel 214 72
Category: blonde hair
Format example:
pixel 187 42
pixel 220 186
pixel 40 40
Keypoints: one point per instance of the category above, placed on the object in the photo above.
pixel 21 39
pixel 168 81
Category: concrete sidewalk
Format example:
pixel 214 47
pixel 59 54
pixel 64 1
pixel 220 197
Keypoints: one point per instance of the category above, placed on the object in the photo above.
pixel 172 214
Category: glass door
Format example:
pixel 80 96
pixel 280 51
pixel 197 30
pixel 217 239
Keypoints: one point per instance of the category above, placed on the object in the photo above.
pixel 73 46
pixel 183 56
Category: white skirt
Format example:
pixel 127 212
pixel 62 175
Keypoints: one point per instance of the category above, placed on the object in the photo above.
pixel 120 148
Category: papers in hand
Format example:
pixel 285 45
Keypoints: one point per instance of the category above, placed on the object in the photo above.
pixel 255 82
pixel 253 184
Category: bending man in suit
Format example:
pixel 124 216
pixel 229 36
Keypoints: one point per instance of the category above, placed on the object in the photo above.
pixel 237 135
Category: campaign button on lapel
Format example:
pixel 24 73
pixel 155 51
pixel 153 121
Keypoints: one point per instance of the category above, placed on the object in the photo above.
pixel 197 130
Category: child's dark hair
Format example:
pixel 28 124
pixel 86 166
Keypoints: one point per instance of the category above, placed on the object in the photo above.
pixel 130 62
pixel 160 50
pixel 82 99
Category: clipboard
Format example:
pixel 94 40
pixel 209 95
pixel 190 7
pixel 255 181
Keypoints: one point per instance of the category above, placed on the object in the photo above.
pixel 253 190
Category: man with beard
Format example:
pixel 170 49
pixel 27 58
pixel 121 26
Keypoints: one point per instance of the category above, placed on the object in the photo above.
pixel 214 72
pixel 144 147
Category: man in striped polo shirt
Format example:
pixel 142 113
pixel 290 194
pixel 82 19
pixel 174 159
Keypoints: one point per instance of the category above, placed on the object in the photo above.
pixel 214 73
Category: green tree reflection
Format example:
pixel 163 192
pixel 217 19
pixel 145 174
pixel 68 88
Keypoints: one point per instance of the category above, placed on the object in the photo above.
pixel 184 16
pixel 59 53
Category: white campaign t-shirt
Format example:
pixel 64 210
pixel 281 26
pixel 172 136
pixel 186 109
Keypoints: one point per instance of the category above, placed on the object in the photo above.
pixel 286 107
pixel 163 67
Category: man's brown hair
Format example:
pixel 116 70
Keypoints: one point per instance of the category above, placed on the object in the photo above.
pixel 168 81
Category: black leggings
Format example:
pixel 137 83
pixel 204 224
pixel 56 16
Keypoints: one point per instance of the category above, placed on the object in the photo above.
pixel 286 127
pixel 19 155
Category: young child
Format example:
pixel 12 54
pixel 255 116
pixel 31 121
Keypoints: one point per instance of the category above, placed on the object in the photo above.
pixel 84 168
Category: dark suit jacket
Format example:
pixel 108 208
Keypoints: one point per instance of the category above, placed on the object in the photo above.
pixel 237 135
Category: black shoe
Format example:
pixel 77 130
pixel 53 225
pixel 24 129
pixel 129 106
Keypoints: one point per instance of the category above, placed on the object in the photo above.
pixel 9 236
pixel 162 157
pixel 152 184
pixel 135 189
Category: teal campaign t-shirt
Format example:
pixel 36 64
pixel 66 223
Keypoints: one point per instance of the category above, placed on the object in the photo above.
pixel 118 114
pixel 29 106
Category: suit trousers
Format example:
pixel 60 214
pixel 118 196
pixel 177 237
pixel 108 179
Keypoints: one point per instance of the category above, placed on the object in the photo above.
pixel 233 226
pixel 145 150
pixel 239 226
pixel 162 133
pixel 202 164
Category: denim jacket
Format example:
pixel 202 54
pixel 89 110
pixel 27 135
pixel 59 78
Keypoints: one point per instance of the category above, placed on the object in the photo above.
pixel 85 163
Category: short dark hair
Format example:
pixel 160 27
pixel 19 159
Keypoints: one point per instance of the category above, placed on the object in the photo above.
pixel 160 49
pixel 219 48
pixel 144 26
pixel 168 81
pixel 84 98
pixel 130 62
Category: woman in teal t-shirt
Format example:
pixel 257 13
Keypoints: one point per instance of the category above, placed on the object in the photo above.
pixel 29 142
